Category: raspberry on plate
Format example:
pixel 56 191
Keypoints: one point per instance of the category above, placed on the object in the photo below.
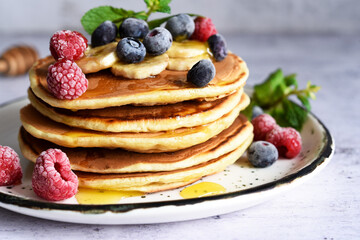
pixel 68 44
pixel 263 124
pixel 10 169
pixel 66 80
pixel 286 140
pixel 204 28
pixel 291 141
pixel 52 178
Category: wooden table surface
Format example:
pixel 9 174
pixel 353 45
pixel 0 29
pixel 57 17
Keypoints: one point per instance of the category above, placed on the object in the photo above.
pixel 326 207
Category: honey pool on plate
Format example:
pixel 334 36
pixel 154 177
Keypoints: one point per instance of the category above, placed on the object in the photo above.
pixel 96 196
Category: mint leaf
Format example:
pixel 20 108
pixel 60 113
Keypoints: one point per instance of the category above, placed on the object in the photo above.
pixel 288 113
pixel 164 6
pixel 273 96
pixel 271 90
pixel 305 101
pixel 158 6
pixel 94 17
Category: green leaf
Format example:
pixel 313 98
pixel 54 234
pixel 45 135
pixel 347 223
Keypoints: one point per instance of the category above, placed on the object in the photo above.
pixel 290 80
pixel 94 17
pixel 288 113
pixel 305 101
pixel 271 90
pixel 164 6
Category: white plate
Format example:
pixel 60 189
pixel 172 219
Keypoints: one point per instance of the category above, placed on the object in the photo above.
pixel 245 185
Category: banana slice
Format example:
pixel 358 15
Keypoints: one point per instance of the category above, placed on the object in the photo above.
pixel 187 49
pixel 98 58
pixel 184 64
pixel 149 67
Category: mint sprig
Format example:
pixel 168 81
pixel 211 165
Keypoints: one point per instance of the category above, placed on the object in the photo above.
pixel 94 17
pixel 273 95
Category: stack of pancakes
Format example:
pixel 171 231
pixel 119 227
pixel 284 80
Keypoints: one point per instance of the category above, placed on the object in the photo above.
pixel 149 134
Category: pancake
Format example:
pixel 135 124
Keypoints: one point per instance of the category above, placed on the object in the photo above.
pixel 131 118
pixel 161 180
pixel 102 160
pixel 107 90
pixel 42 127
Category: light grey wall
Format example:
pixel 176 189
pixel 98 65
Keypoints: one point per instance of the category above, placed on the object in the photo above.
pixel 248 16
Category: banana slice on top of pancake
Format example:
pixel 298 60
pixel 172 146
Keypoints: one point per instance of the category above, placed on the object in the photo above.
pixel 152 65
pixel 187 49
pixel 98 58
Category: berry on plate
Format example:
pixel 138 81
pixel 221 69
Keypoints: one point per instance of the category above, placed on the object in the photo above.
pixel 263 124
pixel 158 41
pixel 10 169
pixel 133 27
pixel 217 46
pixel 66 80
pixel 262 154
pixel 286 140
pixel 130 50
pixel 180 26
pixel 201 73
pixel 68 44
pixel 204 28
pixel 105 33
pixel 52 178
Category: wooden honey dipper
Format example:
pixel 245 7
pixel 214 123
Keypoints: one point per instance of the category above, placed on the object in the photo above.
pixel 17 60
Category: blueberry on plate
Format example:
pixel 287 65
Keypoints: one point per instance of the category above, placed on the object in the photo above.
pixel 256 111
pixel 180 26
pixel 218 47
pixel 201 73
pixel 133 27
pixel 158 41
pixel 262 154
pixel 130 50
pixel 104 34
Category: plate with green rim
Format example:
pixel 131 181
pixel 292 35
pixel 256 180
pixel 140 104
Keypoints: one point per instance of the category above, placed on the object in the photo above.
pixel 245 185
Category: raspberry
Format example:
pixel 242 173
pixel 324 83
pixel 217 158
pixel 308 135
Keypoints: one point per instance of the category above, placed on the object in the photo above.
pixel 68 44
pixel 204 28
pixel 286 140
pixel 291 140
pixel 275 136
pixel 52 178
pixel 66 80
pixel 263 124
pixel 10 169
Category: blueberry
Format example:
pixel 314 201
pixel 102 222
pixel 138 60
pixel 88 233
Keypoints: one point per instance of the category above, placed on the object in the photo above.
pixel 158 41
pixel 104 34
pixel 133 27
pixel 180 26
pixel 201 73
pixel 217 46
pixel 256 111
pixel 130 50
pixel 262 154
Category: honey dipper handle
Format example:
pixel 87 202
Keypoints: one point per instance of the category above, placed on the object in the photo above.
pixel 3 66
pixel 17 60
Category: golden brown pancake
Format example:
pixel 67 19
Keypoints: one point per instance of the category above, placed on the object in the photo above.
pixel 42 127
pixel 107 90
pixel 131 118
pixel 102 160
